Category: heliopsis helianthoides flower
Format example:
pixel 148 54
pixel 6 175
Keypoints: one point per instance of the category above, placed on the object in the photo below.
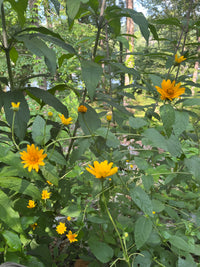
pixel 69 218
pixel 61 228
pixel 82 109
pixel 31 204
pixel 109 117
pixel 45 194
pixel 102 169
pixel 64 120
pixel 33 226
pixel 179 59
pixel 15 106
pixel 72 237
pixel 169 90
pixel 48 182
pixel 33 157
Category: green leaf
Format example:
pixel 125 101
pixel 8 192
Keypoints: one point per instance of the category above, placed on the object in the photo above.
pixel 156 138
pixel 122 68
pixel 89 121
pixel 20 185
pixel 158 206
pixel 181 122
pixel 141 163
pixel 191 102
pixel 56 5
pixel 22 116
pixel 193 165
pixel 40 131
pixel 91 74
pixel 54 155
pixel 101 251
pixel 50 174
pixel 143 228
pixel 186 262
pixel 147 181
pixel 174 146
pixel 111 139
pixel 168 21
pixel 72 211
pixel 48 99
pixel 124 41
pixel 142 200
pixel 12 240
pixel 81 146
pixel 20 7
pixel 143 260
pixel 72 8
pixel 137 123
pixel 180 243
pixel 13 55
pixel 8 215
pixel 168 117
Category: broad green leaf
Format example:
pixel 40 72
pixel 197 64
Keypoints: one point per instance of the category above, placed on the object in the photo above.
pixel 81 146
pixel 168 117
pixel 91 74
pixel 48 99
pixel 141 163
pixel 137 123
pixel 153 31
pixel 20 7
pixel 156 138
pixel 72 211
pixel 8 215
pixel 143 228
pixel 111 139
pixel 193 165
pixel 13 55
pixel 168 21
pixel 27 221
pixel 147 181
pixel 12 240
pixel 49 172
pixel 174 146
pixel 143 260
pixel 191 102
pixel 122 68
pixel 142 200
pixel 54 155
pixel 72 8
pixel 123 40
pixel 89 121
pixel 158 206
pixel 186 262
pixel 101 251
pixel 40 131
pixel 96 219
pixel 180 243
pixel 22 116
pixel 156 80
pixel 181 122
pixel 20 185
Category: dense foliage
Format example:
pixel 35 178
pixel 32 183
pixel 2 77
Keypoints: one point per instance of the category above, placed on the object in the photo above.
pixel 93 170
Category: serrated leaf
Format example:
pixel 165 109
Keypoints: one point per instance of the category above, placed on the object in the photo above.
pixel 141 163
pixel 156 138
pixel 101 251
pixel 168 117
pixel 142 200
pixel 12 240
pixel 54 155
pixel 72 211
pixel 144 259
pixel 137 123
pixel 158 206
pixel 174 146
pixel 111 139
pixel 193 165
pixel 40 131
pixel 50 174
pixel 143 228
pixel 91 74
pixel 180 243
pixel 191 102
pixel 147 181
pixel 181 122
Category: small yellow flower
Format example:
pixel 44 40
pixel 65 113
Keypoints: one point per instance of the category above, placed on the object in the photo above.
pixel 126 234
pixel 31 204
pixel 34 226
pixel 82 109
pixel 169 90
pixel 127 160
pixel 179 59
pixel 48 182
pixel 50 114
pixel 15 106
pixel 131 166
pixel 64 120
pixel 153 212
pixel 69 218
pixel 110 179
pixel 102 169
pixel 33 157
pixel 109 117
pixel 61 228
pixel 45 194
pixel 71 237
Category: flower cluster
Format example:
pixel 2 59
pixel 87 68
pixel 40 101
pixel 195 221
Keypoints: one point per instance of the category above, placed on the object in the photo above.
pixel 61 229
pixel 82 109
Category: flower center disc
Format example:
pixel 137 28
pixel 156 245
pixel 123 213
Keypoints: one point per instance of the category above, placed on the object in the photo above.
pixel 34 158
pixel 170 91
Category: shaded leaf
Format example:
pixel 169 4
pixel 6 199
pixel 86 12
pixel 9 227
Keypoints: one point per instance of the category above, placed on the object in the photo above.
pixel 143 228
pixel 102 251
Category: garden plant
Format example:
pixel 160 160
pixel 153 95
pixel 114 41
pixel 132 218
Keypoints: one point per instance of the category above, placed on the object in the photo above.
pixel 93 170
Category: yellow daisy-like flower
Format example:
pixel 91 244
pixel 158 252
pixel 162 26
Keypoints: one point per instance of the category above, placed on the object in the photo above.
pixel 179 59
pixel 50 114
pixel 34 226
pixel 33 157
pixel 64 120
pixel 102 170
pixel 48 182
pixel 82 109
pixel 61 228
pixel 31 204
pixel 109 117
pixel 72 237
pixel 15 106
pixel 45 194
pixel 169 90
pixel 69 218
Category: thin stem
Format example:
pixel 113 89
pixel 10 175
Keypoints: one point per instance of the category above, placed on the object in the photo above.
pixel 12 130
pixel 6 48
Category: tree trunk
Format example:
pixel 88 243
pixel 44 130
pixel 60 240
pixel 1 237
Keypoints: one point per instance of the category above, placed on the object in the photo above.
pixel 196 67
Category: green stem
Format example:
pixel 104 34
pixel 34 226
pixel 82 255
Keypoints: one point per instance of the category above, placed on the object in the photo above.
pixel 6 48
pixel 12 131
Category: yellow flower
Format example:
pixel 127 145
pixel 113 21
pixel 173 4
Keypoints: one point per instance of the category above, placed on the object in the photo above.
pixel 125 234
pixel 48 182
pixel 179 59
pixel 109 117
pixel 169 90
pixel 34 226
pixel 61 228
pixel 82 109
pixel 71 237
pixel 31 204
pixel 153 212
pixel 102 170
pixel 15 106
pixel 64 120
pixel 131 166
pixel 69 218
pixel 50 114
pixel 33 157
pixel 45 194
